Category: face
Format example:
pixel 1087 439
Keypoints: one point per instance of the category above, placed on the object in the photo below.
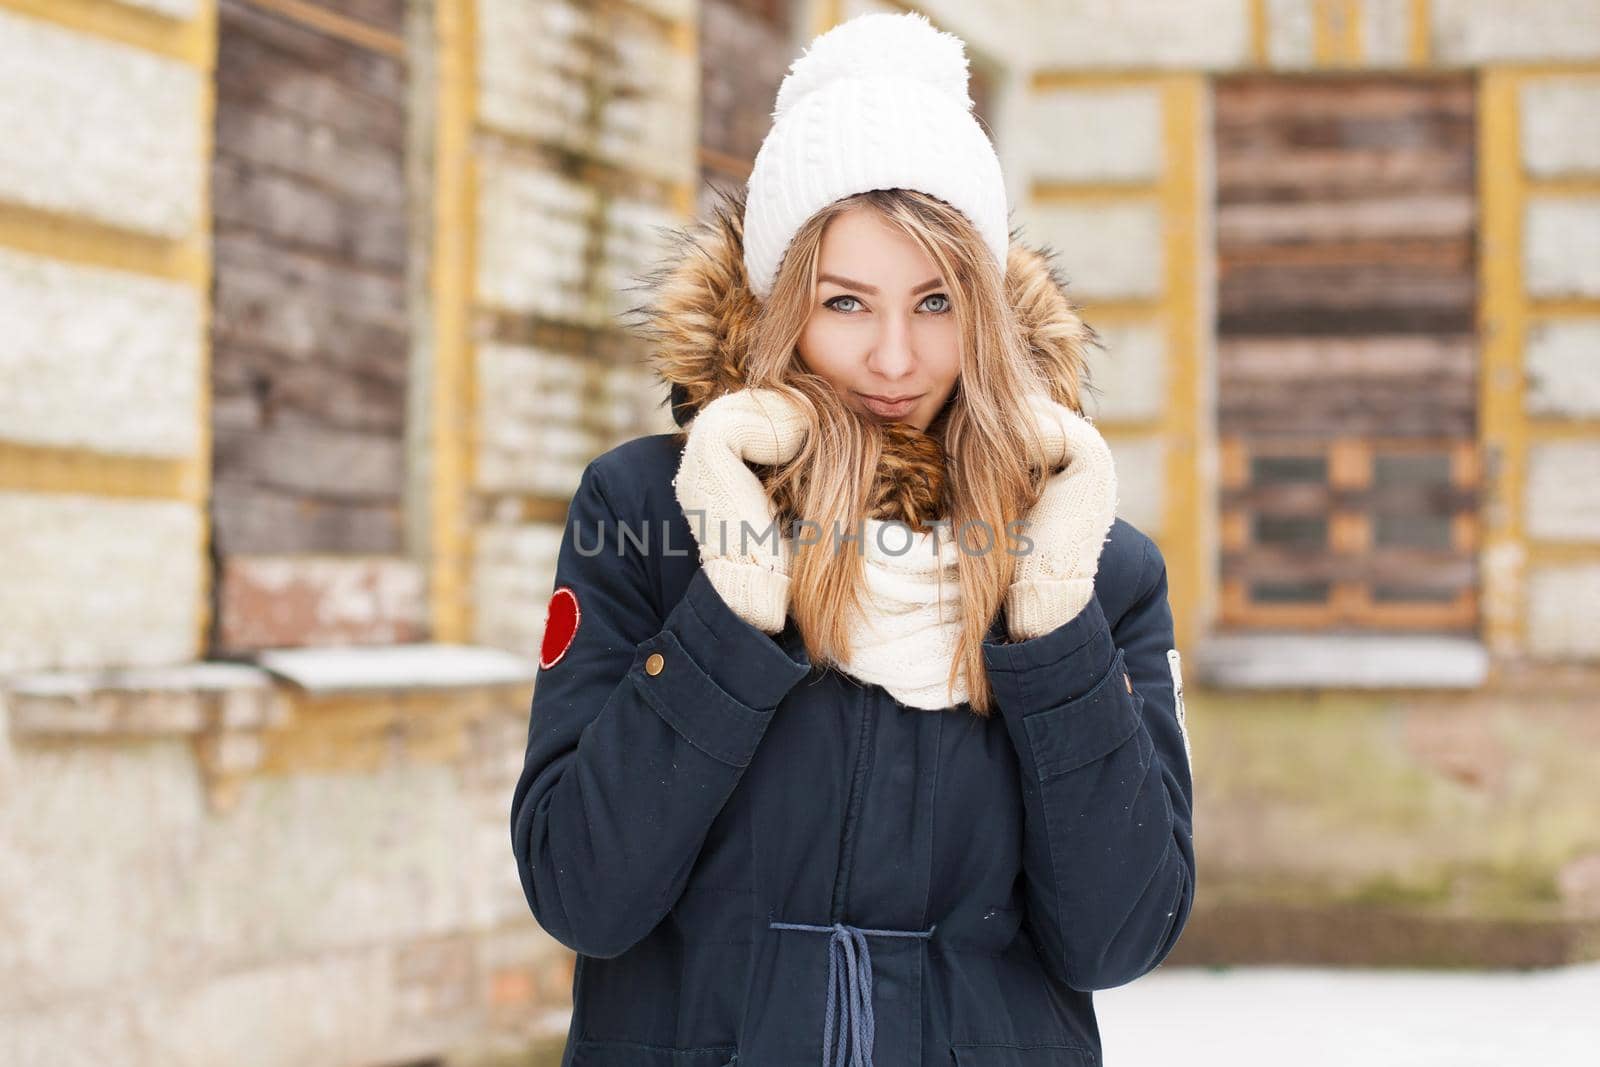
pixel 883 328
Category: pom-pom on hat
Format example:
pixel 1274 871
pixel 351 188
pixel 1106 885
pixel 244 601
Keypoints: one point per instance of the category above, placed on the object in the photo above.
pixel 878 102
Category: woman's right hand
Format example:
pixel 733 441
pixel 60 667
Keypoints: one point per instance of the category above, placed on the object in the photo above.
pixel 729 512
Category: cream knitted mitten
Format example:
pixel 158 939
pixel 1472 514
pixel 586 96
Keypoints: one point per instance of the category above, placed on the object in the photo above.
pixel 1068 525
pixel 741 548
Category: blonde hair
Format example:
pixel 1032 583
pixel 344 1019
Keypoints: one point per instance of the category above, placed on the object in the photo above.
pixel 993 471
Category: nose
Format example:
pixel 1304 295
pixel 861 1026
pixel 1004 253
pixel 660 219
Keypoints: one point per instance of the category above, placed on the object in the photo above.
pixel 893 356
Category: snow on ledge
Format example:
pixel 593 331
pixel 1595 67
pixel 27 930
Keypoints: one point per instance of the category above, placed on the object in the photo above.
pixel 414 666
pixel 1341 661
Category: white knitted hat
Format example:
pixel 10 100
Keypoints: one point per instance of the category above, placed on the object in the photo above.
pixel 878 102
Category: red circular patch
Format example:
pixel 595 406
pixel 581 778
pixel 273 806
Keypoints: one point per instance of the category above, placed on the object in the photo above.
pixel 560 627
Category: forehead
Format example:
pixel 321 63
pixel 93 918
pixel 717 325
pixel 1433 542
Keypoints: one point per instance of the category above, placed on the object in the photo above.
pixel 862 245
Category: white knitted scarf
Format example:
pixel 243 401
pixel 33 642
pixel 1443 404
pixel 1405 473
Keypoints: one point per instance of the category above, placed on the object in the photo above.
pixel 907 638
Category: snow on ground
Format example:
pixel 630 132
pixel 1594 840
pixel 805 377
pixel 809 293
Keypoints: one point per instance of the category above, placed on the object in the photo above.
pixel 1332 1017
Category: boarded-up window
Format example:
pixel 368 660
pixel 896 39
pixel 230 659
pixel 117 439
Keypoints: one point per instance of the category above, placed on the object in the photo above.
pixel 310 330
pixel 1347 356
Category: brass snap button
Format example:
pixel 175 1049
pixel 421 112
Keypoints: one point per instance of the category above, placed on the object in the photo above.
pixel 654 663
pixel 1127 681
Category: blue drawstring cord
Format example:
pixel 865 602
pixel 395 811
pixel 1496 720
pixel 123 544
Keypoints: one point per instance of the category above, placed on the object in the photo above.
pixel 849 980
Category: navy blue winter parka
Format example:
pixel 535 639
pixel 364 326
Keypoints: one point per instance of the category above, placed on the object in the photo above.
pixel 757 860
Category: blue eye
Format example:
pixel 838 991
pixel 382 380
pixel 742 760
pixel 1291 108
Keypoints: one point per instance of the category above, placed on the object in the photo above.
pixel 939 310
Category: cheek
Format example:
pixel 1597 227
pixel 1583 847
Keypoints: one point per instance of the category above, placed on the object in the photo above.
pixel 823 350
pixel 943 353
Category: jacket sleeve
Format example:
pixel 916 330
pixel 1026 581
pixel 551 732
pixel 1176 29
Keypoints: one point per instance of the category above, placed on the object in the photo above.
pixel 1108 852
pixel 625 770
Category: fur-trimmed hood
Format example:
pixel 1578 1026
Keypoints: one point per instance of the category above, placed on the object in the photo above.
pixel 702 315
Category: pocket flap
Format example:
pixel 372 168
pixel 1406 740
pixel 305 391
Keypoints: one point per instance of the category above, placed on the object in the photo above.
pixel 973 1055
pixel 989 1055
pixel 587 1053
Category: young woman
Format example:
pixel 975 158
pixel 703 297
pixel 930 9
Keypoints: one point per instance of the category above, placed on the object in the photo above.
pixel 857 737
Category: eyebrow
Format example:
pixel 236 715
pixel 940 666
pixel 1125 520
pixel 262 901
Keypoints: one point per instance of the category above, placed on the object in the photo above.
pixel 864 287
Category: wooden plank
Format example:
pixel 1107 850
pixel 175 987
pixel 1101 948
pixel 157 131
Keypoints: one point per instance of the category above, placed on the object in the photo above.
pixel 383 76
pixel 1362 411
pixel 1390 565
pixel 1355 288
pixel 254 518
pixel 1247 100
pixel 1311 360
pixel 256 386
pixel 261 56
pixel 1433 253
pixel 1313 500
pixel 1392 216
pixel 296 453
pixel 387 15
pixel 367 294
pixel 298 215
pixel 355 168
pixel 276 304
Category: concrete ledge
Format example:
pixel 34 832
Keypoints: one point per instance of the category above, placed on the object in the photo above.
pixel 1340 661
pixel 193 698
pixel 384 667
pixel 183 699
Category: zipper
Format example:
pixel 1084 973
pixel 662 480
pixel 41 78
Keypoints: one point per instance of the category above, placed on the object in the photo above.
pixel 852 811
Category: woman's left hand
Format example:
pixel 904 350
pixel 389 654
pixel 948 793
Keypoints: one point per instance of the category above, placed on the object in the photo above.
pixel 1068 525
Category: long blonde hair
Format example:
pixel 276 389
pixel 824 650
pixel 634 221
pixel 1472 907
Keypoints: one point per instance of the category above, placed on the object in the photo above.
pixel 992 467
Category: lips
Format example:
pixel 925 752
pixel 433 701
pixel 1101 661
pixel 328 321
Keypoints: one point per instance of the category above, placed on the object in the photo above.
pixel 889 408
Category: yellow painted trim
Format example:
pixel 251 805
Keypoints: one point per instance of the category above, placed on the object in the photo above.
pixel 1183 522
pixel 1355 33
pixel 348 29
pixel 1322 33
pixel 1567 308
pixel 1420 44
pixel 198 472
pixel 82 241
pixel 189 41
pixel 1122 311
pixel 682 197
pixel 43 469
pixel 1529 69
pixel 1562 553
pixel 1336 33
pixel 825 15
pixel 454 267
pixel 1132 429
pixel 1060 192
pixel 1046 80
pixel 1553 429
pixel 1260 33
pixel 1502 322
pixel 1576 185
